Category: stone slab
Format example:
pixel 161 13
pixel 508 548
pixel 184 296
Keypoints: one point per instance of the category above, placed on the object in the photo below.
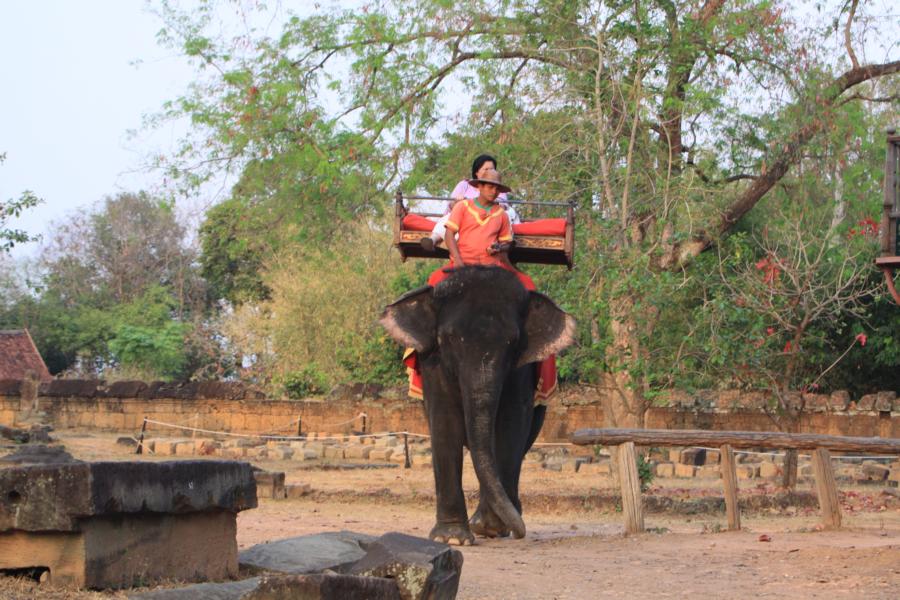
pixel 308 553
pixel 423 569
pixel 231 590
pixel 324 586
pixel 55 497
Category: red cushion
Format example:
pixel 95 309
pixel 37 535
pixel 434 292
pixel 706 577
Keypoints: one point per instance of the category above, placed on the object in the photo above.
pixel 414 222
pixel 541 227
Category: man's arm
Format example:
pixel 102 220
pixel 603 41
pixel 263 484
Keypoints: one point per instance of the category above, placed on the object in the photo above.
pixel 455 256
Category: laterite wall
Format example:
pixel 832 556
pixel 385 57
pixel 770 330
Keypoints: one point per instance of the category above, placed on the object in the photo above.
pixel 232 407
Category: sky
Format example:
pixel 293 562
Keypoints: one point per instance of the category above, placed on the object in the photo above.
pixel 76 76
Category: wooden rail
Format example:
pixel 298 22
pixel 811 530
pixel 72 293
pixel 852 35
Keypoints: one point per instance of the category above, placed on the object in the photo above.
pixel 625 440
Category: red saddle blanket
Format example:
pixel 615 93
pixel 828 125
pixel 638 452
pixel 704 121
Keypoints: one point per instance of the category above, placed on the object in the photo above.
pixel 545 387
pixel 550 227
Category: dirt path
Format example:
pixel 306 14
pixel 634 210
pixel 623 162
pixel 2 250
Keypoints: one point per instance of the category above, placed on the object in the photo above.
pixel 580 553
pixel 584 555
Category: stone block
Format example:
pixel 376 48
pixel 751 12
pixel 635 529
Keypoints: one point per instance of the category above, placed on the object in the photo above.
pixel 884 401
pixel 234 452
pixel 424 461
pixel 866 403
pixel 712 457
pixel 334 452
pixel 684 471
pixel 231 590
pixel 357 451
pixel 747 471
pixel 389 441
pixel 839 400
pixel 269 484
pixel 317 447
pixel 281 453
pixel 675 455
pixel 111 524
pixel 307 454
pixel 708 472
pixel 769 469
pixel 184 448
pixel 309 553
pixel 665 470
pixel 421 568
pixel 165 447
pixel 297 490
pixel 875 472
pixel 329 586
pixel 381 453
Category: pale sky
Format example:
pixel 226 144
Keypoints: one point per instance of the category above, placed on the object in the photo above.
pixel 70 93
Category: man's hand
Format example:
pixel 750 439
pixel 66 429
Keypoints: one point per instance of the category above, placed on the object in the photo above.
pixel 497 248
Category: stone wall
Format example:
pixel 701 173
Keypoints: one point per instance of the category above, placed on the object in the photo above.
pixel 232 407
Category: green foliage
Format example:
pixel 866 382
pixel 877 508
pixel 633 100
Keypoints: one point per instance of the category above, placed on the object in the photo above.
pixel 308 381
pixel 159 350
pixel 645 472
pixel 662 122
pixel 10 209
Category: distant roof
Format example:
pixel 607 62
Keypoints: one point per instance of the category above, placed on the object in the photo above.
pixel 19 355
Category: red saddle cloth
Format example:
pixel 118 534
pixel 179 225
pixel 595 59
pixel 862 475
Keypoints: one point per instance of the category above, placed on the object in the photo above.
pixel 545 387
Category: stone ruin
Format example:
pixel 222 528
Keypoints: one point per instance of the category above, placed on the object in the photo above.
pixel 120 524
pixel 116 525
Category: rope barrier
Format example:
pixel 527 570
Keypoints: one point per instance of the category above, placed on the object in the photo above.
pixel 283 437
pixel 268 436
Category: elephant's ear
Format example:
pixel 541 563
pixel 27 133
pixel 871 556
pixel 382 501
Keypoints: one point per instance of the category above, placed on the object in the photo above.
pixel 412 320
pixel 549 329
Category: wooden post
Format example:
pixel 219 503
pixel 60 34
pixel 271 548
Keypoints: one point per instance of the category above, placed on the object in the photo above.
pixel 299 426
pixel 140 446
pixel 364 423
pixel 630 484
pixel 406 464
pixel 729 479
pixel 826 487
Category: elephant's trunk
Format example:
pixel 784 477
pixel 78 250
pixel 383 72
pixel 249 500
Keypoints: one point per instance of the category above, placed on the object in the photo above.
pixel 480 433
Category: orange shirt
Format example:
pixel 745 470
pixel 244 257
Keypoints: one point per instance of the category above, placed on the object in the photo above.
pixel 479 229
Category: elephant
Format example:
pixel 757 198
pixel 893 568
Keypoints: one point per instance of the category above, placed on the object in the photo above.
pixel 479 335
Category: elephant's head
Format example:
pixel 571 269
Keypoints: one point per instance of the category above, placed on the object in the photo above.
pixel 480 324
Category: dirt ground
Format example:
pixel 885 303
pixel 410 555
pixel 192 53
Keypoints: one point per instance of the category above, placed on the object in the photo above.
pixel 576 549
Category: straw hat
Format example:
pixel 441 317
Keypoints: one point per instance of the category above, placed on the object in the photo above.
pixel 491 176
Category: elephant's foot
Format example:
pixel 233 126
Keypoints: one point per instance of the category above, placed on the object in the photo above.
pixel 455 534
pixel 487 524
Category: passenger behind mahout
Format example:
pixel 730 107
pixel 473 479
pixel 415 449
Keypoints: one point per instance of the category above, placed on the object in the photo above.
pixel 465 190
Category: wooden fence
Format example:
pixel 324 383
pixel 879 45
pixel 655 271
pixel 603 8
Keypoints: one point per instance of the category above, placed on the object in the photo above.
pixel 624 440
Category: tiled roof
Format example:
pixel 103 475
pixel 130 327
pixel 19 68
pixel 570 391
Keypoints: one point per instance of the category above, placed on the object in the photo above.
pixel 19 355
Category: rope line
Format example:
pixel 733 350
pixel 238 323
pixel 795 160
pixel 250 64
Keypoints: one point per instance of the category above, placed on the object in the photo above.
pixel 282 437
pixel 426 436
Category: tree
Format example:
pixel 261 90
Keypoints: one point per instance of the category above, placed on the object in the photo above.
pixel 667 122
pixel 10 209
pixel 119 294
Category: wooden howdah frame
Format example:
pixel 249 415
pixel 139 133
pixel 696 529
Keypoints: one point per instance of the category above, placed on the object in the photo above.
pixel 539 249
pixel 889 261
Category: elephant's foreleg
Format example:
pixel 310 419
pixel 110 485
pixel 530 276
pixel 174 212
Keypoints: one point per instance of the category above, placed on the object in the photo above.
pixel 447 438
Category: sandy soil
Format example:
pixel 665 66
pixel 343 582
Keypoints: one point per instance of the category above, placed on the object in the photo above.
pixel 572 552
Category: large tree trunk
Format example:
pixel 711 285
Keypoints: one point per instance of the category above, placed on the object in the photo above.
pixel 624 404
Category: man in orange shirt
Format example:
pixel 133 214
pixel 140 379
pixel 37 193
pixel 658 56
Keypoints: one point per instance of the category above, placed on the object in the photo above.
pixel 485 233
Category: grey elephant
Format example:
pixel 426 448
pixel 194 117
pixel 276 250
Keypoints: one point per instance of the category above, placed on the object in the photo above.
pixel 479 335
